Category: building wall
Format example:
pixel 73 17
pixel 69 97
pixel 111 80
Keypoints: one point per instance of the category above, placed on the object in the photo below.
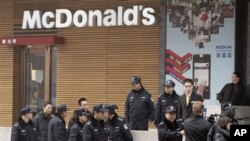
pixel 6 65
pixel 242 46
pixel 97 62
pixel 247 61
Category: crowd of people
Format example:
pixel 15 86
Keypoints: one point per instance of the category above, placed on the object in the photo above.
pixel 175 116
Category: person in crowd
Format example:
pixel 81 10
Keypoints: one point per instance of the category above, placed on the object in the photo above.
pixel 169 97
pixel 232 92
pixel 227 110
pixel 116 108
pixel 117 127
pixel 222 132
pixel 169 129
pixel 186 100
pixel 24 128
pixel 72 119
pixel 76 130
pixel 196 127
pixel 94 130
pixel 57 128
pixel 41 121
pixel 83 104
pixel 139 107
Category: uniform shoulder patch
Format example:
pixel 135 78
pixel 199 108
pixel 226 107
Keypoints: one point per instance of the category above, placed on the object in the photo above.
pixel 121 119
pixel 160 95
pixel 88 123
pixel 161 123
pixel 129 92
pixel 125 126
pixel 75 126
pixel 16 124
pixel 147 90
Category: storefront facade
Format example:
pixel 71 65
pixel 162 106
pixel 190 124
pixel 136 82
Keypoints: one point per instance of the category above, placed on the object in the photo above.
pixel 64 64
pixel 91 48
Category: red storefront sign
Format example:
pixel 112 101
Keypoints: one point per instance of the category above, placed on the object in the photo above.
pixel 42 40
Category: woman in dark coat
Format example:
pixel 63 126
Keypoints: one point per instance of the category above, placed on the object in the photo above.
pixel 222 132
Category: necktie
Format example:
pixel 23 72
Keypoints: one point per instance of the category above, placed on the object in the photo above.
pixel 187 99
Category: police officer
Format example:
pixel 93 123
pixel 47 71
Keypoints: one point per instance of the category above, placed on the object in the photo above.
pixel 83 104
pixel 57 130
pixel 41 121
pixel 116 127
pixel 76 130
pixel 94 130
pixel 24 129
pixel 169 97
pixel 139 107
pixel 169 129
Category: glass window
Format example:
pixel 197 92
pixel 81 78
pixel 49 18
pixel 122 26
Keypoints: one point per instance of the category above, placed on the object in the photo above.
pixel 53 75
pixel 35 70
pixel 40 76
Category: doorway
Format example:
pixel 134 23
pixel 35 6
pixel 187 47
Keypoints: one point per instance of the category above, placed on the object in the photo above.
pixel 39 76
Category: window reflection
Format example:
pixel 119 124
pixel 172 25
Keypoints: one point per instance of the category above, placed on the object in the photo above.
pixel 35 80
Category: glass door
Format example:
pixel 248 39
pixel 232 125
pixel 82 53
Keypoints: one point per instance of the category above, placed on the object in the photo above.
pixel 37 76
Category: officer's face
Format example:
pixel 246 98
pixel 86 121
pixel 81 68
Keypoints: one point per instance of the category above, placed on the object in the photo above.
pixel 235 79
pixel 83 118
pixel 64 114
pixel 169 89
pixel 48 109
pixel 170 116
pixel 188 88
pixel 101 115
pixel 108 115
pixel 84 105
pixel 136 86
pixel 29 116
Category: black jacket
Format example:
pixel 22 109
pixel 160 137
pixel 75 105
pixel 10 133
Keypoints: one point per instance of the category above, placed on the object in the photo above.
pixel 211 133
pixel 22 131
pixel 41 122
pixel 56 129
pixel 196 128
pixel 168 131
pixel 118 130
pixel 221 135
pixel 139 109
pixel 231 92
pixel 94 130
pixel 163 101
pixel 72 120
pixel 184 110
pixel 76 131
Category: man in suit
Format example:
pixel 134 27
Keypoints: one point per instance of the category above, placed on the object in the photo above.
pixel 186 100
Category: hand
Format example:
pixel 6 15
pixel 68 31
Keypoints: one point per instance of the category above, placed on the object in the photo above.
pixel 201 87
pixel 182 132
pixel 150 122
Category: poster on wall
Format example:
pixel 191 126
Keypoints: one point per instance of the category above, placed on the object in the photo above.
pixel 200 45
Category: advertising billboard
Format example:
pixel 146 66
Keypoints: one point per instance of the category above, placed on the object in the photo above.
pixel 200 44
